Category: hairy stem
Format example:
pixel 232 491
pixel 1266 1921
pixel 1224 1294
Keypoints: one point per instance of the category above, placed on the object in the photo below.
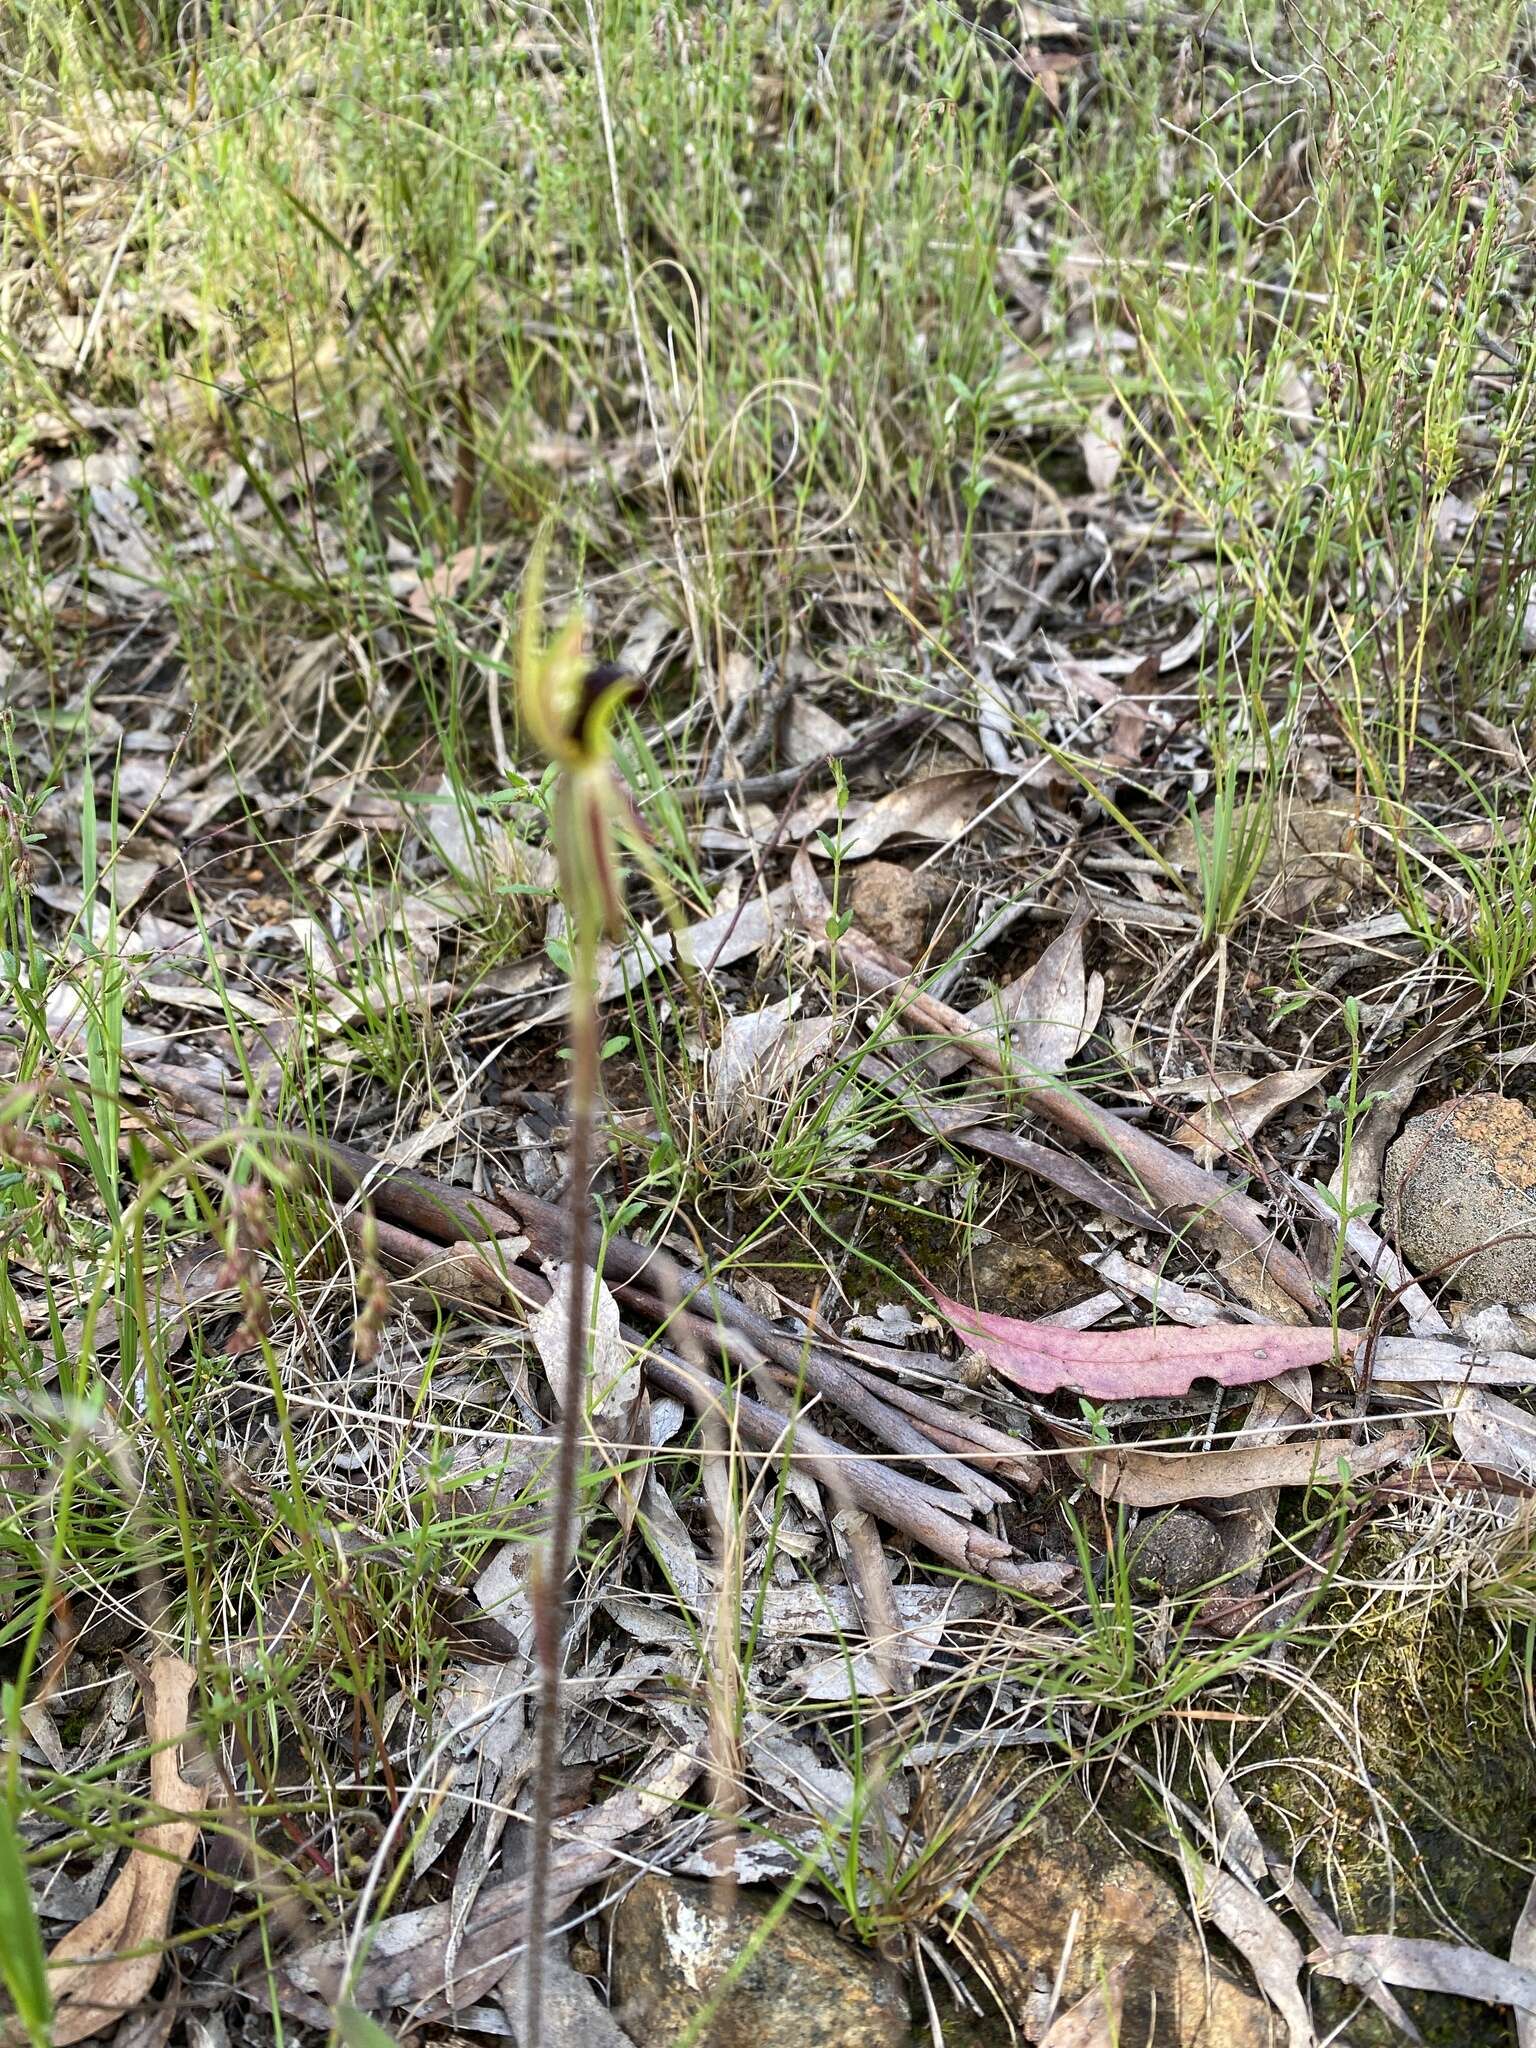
pixel 550 1601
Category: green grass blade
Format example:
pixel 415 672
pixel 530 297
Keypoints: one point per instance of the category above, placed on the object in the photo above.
pixel 23 1964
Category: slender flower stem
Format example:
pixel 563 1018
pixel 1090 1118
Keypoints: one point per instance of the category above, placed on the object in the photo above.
pixel 550 1600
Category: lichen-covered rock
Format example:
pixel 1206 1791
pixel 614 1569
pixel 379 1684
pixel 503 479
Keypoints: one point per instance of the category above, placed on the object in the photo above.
pixel 1457 1178
pixel 803 1988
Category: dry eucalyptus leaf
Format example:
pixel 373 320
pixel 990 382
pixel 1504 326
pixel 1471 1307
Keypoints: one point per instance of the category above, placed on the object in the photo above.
pixel 718 940
pixel 1050 1009
pixel 1420 1361
pixel 939 807
pixel 1493 1432
pixel 810 734
pixel 1231 1119
pixel 645 640
pixel 1120 1365
pixel 123 1934
pixel 760 1052
pixel 1449 1966
pixel 574 2016
pixel 1260 1937
pixel 474 1737
pixel 444 583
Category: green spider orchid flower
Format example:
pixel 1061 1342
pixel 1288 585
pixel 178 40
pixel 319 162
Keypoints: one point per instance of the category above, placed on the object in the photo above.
pixel 568 704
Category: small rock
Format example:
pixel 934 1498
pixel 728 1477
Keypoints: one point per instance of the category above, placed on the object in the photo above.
pixel 1069 1867
pixel 1177 1553
pixel 897 908
pixel 804 1988
pixel 1457 1177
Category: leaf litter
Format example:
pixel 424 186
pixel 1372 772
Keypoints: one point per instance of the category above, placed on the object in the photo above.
pixel 786 1449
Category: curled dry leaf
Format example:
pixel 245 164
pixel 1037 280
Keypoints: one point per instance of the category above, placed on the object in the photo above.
pixel 1050 1009
pixel 1233 1117
pixel 939 807
pixel 443 583
pixel 1494 1433
pixel 121 1937
pixel 1103 444
pixel 1121 1365
pixel 1158 1479
pixel 759 1052
pixel 613 1381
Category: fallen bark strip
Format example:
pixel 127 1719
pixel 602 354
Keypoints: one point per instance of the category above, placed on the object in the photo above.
pixel 956 1429
pixel 903 1503
pixel 106 1965
pixel 427 1213
pixel 826 1375
pixel 1156 1479
pixel 884 1493
pixel 461 1272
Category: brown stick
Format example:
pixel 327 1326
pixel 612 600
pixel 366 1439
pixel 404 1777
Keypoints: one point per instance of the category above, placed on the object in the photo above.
pixel 415 1211
pixel 869 1484
pixel 431 1209
pixel 835 1382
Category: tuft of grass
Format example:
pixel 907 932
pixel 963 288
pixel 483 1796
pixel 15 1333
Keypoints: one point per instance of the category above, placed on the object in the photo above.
pixel 1468 893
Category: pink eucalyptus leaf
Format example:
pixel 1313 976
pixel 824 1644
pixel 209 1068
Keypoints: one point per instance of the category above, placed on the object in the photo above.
pixel 1125 1365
